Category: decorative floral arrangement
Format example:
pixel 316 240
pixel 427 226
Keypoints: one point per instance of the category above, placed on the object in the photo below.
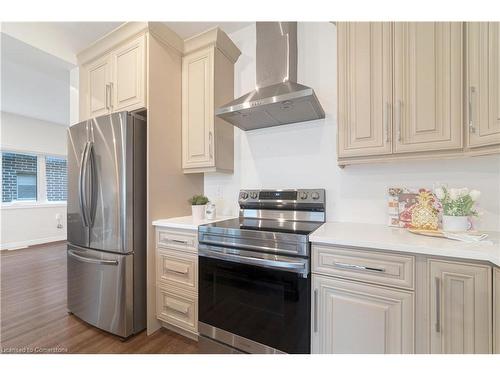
pixel 457 202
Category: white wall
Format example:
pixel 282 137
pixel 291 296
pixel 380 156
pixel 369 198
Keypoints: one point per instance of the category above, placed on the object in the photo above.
pixel 32 224
pixel 304 155
pixel 22 133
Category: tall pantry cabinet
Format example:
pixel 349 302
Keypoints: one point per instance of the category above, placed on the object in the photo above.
pixel 138 67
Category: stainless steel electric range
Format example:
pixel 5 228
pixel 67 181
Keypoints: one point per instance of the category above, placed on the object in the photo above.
pixel 254 274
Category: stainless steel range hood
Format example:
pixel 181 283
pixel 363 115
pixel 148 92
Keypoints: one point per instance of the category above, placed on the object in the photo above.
pixel 278 99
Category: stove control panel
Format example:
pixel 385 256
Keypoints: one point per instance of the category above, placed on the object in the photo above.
pixel 296 196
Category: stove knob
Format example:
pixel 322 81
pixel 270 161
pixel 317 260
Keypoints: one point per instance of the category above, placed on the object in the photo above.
pixel 315 195
pixel 253 195
pixel 303 195
pixel 243 195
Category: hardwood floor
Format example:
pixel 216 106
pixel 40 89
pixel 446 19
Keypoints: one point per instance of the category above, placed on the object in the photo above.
pixel 34 316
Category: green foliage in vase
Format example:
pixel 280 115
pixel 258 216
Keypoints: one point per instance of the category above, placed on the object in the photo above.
pixel 198 200
pixel 457 202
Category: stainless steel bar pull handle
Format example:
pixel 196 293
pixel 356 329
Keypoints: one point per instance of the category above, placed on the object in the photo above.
pixel 400 109
pixel 107 95
pixel 438 304
pixel 296 267
pixel 111 94
pixel 72 254
pixel 179 241
pixel 210 144
pixel 315 310
pixel 358 267
pixel 472 128
pixel 386 122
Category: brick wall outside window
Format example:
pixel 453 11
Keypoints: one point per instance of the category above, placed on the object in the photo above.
pixel 12 164
pixel 57 177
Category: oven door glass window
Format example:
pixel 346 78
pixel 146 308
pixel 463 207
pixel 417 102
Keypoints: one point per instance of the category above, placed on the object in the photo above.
pixel 268 306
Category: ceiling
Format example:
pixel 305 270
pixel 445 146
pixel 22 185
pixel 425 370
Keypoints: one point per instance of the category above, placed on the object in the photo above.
pixel 34 83
pixel 65 39
pixel 61 39
pixel 188 29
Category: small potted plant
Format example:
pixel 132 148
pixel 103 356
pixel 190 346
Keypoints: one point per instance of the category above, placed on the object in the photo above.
pixel 198 205
pixel 458 206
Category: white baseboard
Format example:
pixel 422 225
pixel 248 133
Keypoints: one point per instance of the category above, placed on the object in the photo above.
pixel 25 244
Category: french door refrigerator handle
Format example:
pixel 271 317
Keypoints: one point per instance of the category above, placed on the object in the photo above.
pixel 91 204
pixel 72 254
pixel 81 187
pixel 85 174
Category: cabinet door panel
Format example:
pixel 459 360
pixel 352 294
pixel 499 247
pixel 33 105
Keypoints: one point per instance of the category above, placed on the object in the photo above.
pixel 350 317
pixel 496 312
pixel 483 68
pixel 365 91
pixel 98 78
pixel 129 76
pixel 460 308
pixel 427 86
pixel 197 109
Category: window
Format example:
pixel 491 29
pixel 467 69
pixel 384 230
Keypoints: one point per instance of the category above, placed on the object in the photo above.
pixel 56 173
pixel 26 186
pixel 33 178
pixel 19 177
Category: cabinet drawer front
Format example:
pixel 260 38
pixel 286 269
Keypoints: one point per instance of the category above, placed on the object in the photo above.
pixel 375 267
pixel 177 268
pixel 177 240
pixel 177 308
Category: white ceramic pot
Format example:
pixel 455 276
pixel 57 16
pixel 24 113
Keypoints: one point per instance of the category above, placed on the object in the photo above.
pixel 198 212
pixel 456 223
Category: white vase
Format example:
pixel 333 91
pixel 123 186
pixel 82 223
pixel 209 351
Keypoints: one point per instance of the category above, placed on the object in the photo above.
pixel 198 212
pixel 456 223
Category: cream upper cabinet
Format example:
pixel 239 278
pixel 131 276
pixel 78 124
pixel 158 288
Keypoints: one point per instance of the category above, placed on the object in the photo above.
pixel 351 317
pixel 460 308
pixel 207 83
pixel 116 81
pixel 417 90
pixel 129 75
pixel 198 109
pixel 365 88
pixel 496 312
pixel 98 76
pixel 427 86
pixel 483 83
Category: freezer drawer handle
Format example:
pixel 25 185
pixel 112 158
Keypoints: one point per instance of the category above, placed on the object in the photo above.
pixel 92 260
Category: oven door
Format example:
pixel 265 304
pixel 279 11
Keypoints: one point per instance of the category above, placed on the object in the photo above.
pixel 259 297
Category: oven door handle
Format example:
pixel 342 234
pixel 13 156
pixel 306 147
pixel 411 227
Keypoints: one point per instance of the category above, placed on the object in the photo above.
pixel 299 267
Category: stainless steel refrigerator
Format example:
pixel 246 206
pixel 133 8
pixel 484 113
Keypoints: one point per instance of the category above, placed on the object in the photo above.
pixel 107 222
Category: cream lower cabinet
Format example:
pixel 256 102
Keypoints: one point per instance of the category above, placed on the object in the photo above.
pixel 177 280
pixel 351 317
pixel 496 312
pixel 207 83
pixel 460 307
pixel 483 84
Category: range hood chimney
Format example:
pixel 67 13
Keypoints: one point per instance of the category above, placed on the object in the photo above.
pixel 278 99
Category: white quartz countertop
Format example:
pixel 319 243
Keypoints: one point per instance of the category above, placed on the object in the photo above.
pixel 381 237
pixel 187 222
